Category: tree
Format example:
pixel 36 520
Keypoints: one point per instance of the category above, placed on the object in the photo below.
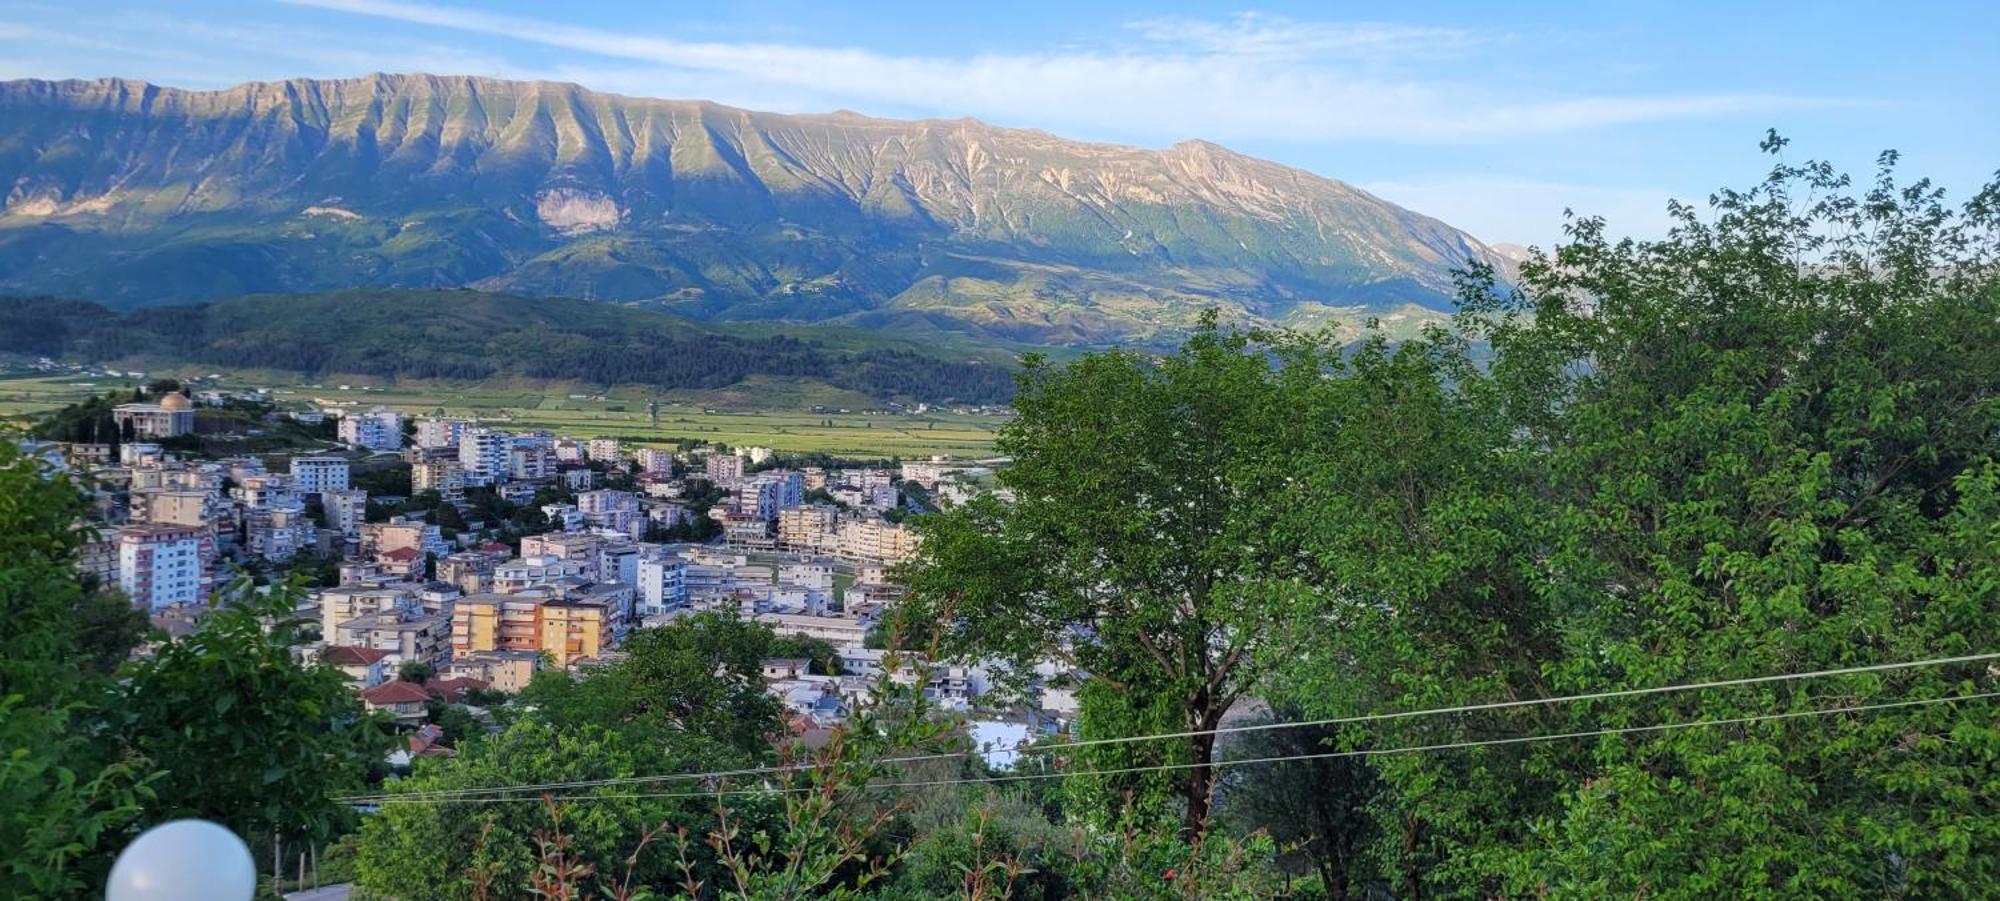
pixel 1138 544
pixel 1315 809
pixel 1765 444
pixel 415 671
pixel 242 734
pixel 64 796
pixel 700 676
pixel 438 850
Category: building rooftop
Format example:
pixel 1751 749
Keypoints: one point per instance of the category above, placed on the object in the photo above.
pixel 348 655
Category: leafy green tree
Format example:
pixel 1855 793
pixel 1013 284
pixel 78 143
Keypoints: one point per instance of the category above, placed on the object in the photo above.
pixel 1315 810
pixel 825 659
pixel 242 734
pixel 416 671
pixel 1764 444
pixel 700 677
pixel 64 795
pixel 1138 544
pixel 420 849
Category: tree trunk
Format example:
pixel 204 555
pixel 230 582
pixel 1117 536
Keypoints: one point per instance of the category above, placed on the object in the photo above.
pixel 1200 788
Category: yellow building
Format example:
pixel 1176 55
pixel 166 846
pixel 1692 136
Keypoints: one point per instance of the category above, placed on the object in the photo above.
pixel 566 631
pixel 573 630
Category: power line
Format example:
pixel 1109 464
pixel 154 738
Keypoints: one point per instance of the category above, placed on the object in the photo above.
pixel 1364 752
pixel 1221 730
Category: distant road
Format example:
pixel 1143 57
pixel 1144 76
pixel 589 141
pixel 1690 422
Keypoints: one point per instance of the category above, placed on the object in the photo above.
pixel 323 893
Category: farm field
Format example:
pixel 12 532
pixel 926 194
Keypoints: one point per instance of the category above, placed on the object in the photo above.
pixel 21 395
pixel 586 412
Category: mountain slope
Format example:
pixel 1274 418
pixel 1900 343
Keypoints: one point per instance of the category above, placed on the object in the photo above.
pixel 137 194
pixel 472 335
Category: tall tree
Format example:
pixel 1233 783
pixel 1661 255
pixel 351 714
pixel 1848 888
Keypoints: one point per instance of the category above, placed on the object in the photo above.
pixel 1765 444
pixel 1136 544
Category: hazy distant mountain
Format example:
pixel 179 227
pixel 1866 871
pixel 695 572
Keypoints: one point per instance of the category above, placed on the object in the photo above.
pixel 135 194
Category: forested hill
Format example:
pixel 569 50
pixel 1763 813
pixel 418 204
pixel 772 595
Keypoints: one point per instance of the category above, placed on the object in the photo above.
pixel 461 334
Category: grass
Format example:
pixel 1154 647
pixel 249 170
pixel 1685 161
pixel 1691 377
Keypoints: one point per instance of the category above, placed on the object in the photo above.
pixel 24 394
pixel 769 413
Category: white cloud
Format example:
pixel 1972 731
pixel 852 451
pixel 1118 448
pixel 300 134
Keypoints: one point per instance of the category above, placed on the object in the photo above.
pixel 1281 38
pixel 1247 77
pixel 1522 211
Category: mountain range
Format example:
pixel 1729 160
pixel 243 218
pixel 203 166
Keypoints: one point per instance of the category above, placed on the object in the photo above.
pixel 133 194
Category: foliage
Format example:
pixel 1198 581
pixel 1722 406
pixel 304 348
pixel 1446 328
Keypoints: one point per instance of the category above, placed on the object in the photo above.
pixel 468 335
pixel 699 678
pixel 1764 444
pixel 418 849
pixel 241 734
pixel 1138 545
pixel 63 796
pixel 1314 810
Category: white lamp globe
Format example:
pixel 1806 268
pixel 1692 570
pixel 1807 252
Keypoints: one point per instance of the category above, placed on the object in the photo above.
pixel 185 860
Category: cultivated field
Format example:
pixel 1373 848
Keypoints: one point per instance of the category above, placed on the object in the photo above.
pixel 587 412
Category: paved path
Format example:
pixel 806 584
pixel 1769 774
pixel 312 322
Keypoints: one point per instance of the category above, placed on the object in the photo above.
pixel 323 893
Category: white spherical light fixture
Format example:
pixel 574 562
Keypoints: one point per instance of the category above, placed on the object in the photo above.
pixel 185 860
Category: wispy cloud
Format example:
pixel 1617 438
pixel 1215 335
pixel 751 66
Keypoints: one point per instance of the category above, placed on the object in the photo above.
pixel 1281 38
pixel 1245 77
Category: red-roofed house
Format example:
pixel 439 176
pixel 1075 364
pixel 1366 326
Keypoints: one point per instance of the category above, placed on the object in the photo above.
pixel 422 743
pixel 403 561
pixel 364 665
pixel 453 691
pixel 406 701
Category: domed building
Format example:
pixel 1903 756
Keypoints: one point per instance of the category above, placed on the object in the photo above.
pixel 172 416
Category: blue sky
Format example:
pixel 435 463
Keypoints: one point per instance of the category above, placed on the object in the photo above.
pixel 1492 116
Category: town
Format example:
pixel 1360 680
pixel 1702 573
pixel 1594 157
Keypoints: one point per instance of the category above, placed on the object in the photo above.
pixel 448 561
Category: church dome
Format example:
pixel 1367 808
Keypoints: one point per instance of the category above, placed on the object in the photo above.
pixel 175 401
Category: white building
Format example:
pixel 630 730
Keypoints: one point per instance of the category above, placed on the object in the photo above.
pixel 442 476
pixel 766 493
pixel 345 510
pixel 377 430
pixel 441 432
pixel 605 450
pixel 482 456
pixel 171 417
pixel 723 469
pixel 654 460
pixel 612 509
pixel 318 475
pixel 530 460
pixel 564 517
pixel 160 565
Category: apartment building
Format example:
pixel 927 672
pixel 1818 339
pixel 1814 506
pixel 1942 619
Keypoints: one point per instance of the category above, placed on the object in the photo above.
pixel 612 509
pixel 377 430
pixel 346 511
pixel 723 469
pixel 662 584
pixel 808 527
pixel 162 565
pixel 446 477
pixel 437 433
pixel 482 456
pixel 532 622
pixel 318 475
pixel 654 460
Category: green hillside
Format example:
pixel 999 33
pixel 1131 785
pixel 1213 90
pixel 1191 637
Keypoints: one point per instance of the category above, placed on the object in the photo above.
pixel 474 335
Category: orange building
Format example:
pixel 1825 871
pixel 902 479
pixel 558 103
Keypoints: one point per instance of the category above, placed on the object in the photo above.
pixel 567 631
